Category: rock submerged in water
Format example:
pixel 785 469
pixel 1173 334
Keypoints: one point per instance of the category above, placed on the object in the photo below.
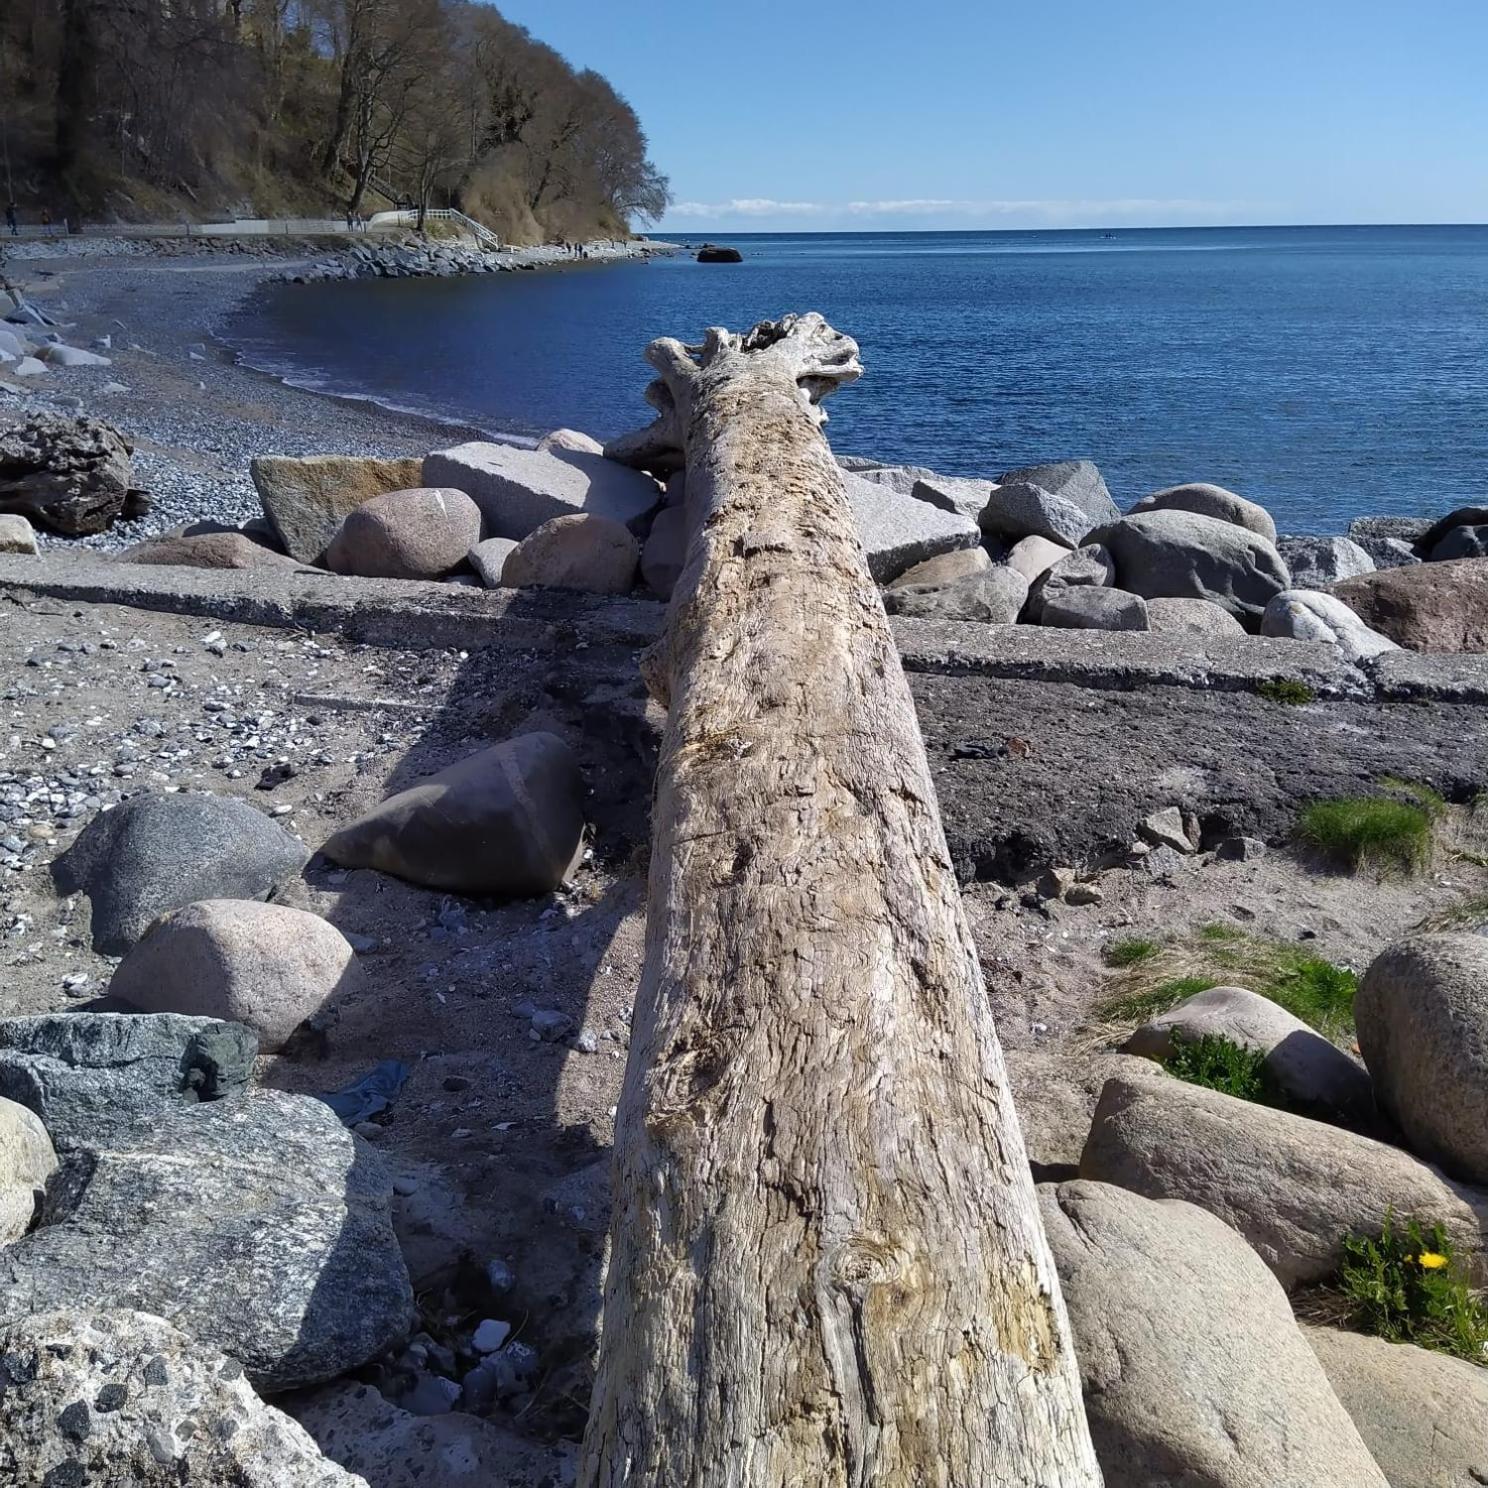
pixel 507 822
pixel 1194 1370
pixel 265 966
pixel 160 851
pixel 714 253
pixel 69 475
pixel 120 1399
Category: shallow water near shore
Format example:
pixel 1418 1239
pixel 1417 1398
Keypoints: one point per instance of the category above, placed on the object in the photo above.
pixel 1325 372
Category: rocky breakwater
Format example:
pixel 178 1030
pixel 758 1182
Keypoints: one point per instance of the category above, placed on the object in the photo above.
pixel 414 257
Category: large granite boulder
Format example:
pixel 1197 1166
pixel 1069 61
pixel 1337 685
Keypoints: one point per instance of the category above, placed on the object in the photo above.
pixel 1207 500
pixel 206 550
pixel 899 531
pixel 1019 509
pixel 266 966
pixel 994 596
pixel 952 493
pixel 946 568
pixel 308 499
pixel 415 534
pixel 1461 542
pixel 1303 1063
pixel 1078 482
pixel 1307 615
pixel 1092 607
pixel 1194 1373
pixel 1292 1186
pixel 1191 617
pixel 258 1225
pixel 1441 607
pixel 1422 1017
pixel 158 852
pixel 82 1072
pixel 93 1398
pixel 17 535
pixel 1085 568
pixel 518 490
pixel 1183 555
pixel 27 1162
pixel 1316 562
pixel 1428 541
pixel 1423 1415
pixel 508 822
pixel 583 551
pixel 68 475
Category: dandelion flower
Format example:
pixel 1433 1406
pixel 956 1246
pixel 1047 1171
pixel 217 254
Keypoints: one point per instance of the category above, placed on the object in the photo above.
pixel 1431 1260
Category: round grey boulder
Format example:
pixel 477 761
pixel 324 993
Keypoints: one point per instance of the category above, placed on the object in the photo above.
pixel 1192 617
pixel 1211 501
pixel 1175 554
pixel 1422 1018
pixel 418 534
pixel 1086 607
pixel 120 1399
pixel 1462 542
pixel 1307 615
pixel 263 965
pixel 27 1161
pixel 1195 1374
pixel 158 852
pixel 583 551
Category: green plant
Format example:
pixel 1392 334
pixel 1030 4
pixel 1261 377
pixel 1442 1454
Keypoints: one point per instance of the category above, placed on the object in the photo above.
pixel 1432 802
pixel 1368 832
pixel 1149 1000
pixel 1286 690
pixel 1406 1286
pixel 1217 1064
pixel 1131 952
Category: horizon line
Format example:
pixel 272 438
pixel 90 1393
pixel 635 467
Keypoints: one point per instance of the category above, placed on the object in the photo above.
pixel 841 232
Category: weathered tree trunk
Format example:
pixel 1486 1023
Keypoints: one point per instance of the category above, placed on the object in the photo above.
pixel 827 1266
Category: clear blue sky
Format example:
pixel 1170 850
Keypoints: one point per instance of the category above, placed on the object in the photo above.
pixel 877 114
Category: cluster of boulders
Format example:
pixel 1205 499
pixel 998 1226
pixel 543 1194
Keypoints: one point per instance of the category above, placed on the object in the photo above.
pixel 1196 1213
pixel 72 476
pixel 173 1237
pixel 29 345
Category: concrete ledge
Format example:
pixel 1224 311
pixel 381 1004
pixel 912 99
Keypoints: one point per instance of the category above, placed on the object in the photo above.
pixel 1409 676
pixel 1123 660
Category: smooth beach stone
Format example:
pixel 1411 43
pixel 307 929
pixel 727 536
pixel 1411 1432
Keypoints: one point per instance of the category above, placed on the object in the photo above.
pixel 1078 482
pixel 308 499
pixel 1034 556
pixel 518 489
pixel 508 822
pixel 1431 535
pixel 1315 562
pixel 206 550
pixel 1306 615
pixel 1461 542
pixel 1210 501
pixel 665 551
pixel 119 1399
pixel 488 558
pixel 1293 1187
pixel 1184 555
pixel 582 551
pixel 258 1225
pixel 955 493
pixel 17 535
pixel 1018 509
pixel 27 1161
pixel 1087 607
pixel 992 596
pixel 161 850
pixel 1422 1414
pixel 1302 1062
pixel 1191 617
pixel 946 568
pixel 30 366
pixel 1421 1013
pixel 1432 607
pixel 61 355
pixel 415 534
pixel 263 965
pixel 82 1073
pixel 899 531
pixel 1195 1373
pixel 571 440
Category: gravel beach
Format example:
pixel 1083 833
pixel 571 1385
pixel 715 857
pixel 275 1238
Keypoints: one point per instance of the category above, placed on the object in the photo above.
pixel 195 416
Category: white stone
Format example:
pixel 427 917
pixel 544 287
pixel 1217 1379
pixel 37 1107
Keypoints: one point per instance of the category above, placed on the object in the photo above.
pixel 60 355
pixel 491 1334
pixel 16 535
pixel 1309 615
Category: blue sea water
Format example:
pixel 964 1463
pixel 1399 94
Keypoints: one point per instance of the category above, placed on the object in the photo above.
pixel 1325 372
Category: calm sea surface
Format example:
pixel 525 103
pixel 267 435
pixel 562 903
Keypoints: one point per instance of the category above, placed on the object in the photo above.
pixel 1325 372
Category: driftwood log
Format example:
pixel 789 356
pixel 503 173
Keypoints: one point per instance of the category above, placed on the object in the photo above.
pixel 827 1266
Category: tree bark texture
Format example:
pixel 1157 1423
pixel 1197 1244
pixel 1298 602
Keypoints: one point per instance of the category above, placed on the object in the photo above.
pixel 827 1265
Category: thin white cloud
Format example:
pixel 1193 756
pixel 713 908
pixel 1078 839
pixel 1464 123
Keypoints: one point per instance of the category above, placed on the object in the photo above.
pixel 1047 210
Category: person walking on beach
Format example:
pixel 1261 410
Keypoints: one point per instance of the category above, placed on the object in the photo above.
pixel 10 221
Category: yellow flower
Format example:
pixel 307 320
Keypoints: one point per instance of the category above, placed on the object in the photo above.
pixel 1431 1260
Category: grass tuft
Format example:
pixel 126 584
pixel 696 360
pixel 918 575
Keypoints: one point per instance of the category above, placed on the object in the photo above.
pixel 1407 1287
pixel 1131 952
pixel 1217 1064
pixel 1369 832
pixel 1288 691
